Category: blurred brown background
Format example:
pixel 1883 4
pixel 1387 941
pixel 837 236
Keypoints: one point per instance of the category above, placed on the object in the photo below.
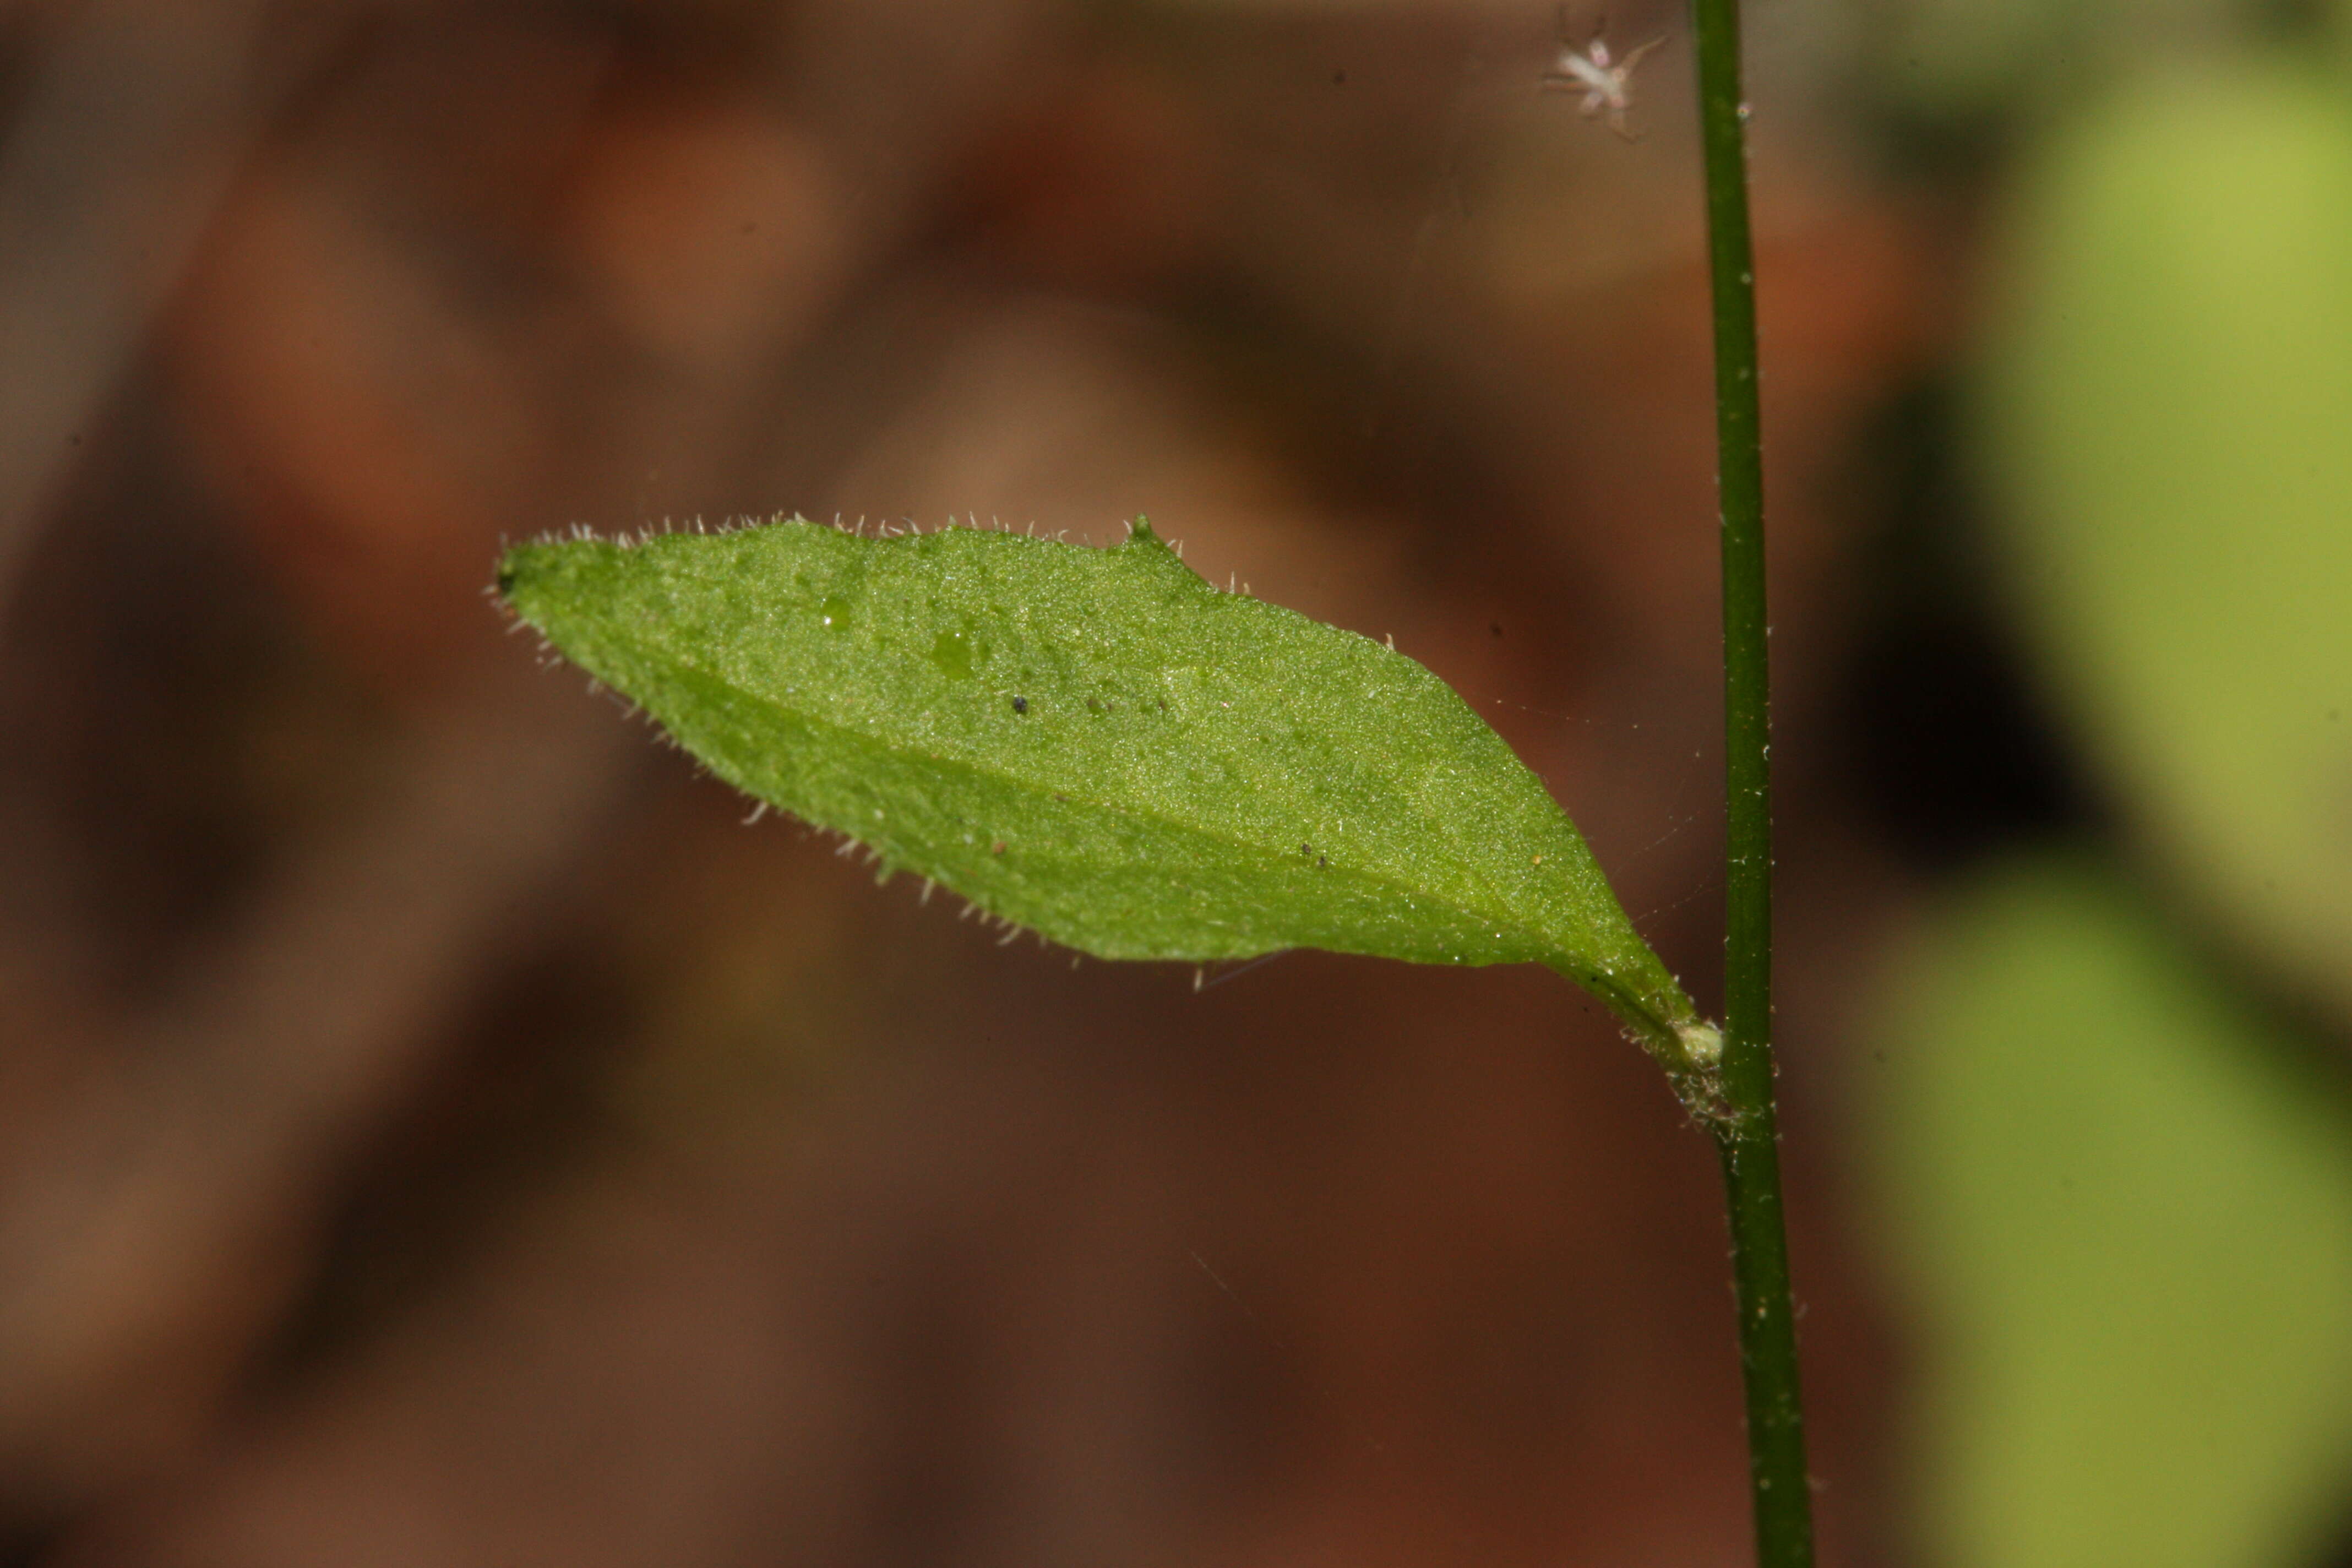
pixel 435 1129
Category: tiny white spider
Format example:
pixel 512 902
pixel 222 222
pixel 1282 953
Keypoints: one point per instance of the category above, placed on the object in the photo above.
pixel 1607 83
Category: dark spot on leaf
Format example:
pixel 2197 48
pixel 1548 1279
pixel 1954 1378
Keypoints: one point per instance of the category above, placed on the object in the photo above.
pixel 1020 705
pixel 997 847
pixel 506 581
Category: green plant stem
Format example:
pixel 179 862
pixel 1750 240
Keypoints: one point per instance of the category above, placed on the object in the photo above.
pixel 1747 1137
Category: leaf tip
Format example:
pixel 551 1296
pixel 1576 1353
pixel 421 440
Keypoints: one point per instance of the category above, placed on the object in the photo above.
pixel 517 569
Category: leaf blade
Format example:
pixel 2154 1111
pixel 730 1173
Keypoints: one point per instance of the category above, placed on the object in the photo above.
pixel 1099 745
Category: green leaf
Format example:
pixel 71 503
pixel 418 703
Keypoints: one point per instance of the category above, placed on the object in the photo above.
pixel 2117 1196
pixel 2170 369
pixel 1101 746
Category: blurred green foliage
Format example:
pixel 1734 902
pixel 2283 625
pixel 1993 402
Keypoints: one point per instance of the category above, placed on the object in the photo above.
pixel 2011 59
pixel 2124 1220
pixel 2170 422
pixel 2120 1191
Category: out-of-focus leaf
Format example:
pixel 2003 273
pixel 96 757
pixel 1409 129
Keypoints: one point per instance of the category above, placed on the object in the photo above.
pixel 2122 1208
pixel 2008 61
pixel 2170 422
pixel 1101 746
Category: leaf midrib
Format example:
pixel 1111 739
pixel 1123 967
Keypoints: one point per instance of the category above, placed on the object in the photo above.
pixel 1382 881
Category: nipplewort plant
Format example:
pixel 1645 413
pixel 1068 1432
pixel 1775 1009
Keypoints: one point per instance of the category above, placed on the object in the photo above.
pixel 1100 747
